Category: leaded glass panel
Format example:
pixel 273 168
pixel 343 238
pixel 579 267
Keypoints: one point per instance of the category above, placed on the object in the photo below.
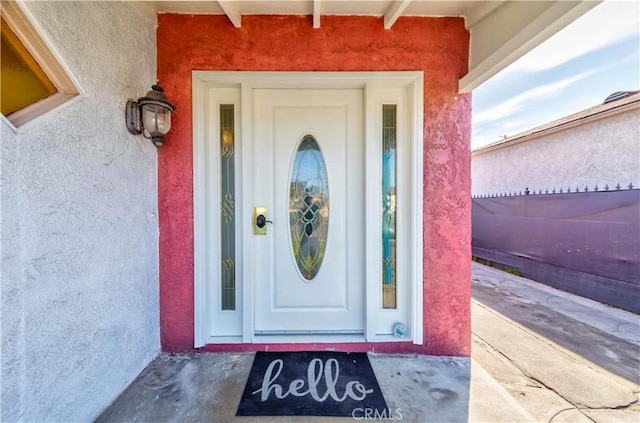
pixel 389 135
pixel 227 207
pixel 308 207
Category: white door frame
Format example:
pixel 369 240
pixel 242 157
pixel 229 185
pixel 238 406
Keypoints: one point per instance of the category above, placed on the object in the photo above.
pixel 375 85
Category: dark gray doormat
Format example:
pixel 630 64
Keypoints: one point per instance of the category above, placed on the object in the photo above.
pixel 318 383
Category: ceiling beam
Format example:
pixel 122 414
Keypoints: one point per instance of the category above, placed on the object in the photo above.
pixel 316 13
pixel 231 10
pixel 481 11
pixel 394 12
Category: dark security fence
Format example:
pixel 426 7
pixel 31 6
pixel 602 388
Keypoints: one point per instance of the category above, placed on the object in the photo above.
pixel 560 190
pixel 585 241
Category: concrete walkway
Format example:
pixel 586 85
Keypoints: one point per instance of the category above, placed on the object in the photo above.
pixel 538 355
pixel 563 357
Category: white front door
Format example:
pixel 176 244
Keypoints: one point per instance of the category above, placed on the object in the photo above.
pixel 316 150
pixel 309 175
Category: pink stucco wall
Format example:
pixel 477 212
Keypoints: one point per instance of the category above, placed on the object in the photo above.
pixel 438 46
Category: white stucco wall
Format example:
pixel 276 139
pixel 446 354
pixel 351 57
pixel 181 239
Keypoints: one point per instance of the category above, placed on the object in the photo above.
pixel 79 228
pixel 601 152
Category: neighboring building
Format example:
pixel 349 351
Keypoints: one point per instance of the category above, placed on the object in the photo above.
pixel 599 146
pixel 557 203
pixel 113 250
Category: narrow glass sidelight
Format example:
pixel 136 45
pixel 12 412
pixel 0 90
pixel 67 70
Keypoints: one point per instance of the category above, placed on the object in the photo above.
pixel 308 207
pixel 227 208
pixel 389 160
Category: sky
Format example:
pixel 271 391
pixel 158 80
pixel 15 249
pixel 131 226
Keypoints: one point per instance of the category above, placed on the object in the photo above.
pixel 577 68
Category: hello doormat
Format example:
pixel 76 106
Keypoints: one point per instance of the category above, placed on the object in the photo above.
pixel 311 384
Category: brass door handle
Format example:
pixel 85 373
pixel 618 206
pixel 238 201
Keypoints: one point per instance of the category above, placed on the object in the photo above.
pixel 260 221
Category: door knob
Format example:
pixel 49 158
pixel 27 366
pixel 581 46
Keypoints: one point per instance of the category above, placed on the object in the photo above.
pixel 261 221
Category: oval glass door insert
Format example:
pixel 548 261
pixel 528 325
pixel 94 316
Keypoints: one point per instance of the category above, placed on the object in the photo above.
pixel 308 207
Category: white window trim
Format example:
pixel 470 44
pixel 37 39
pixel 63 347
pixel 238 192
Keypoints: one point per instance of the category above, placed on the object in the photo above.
pixel 202 82
pixel 21 23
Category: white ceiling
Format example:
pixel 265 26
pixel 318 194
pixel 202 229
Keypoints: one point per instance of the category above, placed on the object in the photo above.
pixel 327 7
pixel 500 31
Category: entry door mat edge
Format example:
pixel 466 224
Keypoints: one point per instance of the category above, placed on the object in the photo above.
pixel 340 383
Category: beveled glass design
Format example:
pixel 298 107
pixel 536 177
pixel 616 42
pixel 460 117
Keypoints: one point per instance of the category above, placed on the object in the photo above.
pixel 227 208
pixel 389 161
pixel 308 207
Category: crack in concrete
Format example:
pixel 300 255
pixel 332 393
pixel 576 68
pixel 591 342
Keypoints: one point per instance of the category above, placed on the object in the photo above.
pixel 539 383
pixel 546 341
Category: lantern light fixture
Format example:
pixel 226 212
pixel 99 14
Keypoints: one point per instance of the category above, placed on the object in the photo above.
pixel 150 115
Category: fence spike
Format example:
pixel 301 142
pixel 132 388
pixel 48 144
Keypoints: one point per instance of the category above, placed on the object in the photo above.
pixel 540 192
pixel 618 187
pixel 586 188
pixel 606 187
pixel 553 191
pixel 630 185
pixel 560 190
pixel 595 188
pixel 526 191
pixel 569 189
pixel 577 188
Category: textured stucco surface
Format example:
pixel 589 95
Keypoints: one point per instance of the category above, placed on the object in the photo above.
pixel 79 226
pixel 601 152
pixel 439 46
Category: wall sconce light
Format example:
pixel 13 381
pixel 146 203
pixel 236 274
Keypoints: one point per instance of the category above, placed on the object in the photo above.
pixel 150 115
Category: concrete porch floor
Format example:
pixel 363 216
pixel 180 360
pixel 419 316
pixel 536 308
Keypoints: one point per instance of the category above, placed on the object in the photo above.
pixel 539 354
pixel 208 387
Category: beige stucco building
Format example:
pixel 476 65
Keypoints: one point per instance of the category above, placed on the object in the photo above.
pixel 599 146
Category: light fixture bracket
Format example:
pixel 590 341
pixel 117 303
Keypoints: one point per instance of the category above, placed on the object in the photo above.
pixel 134 117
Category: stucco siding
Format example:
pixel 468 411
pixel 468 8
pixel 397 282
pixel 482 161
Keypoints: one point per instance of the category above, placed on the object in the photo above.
pixel 600 152
pixel 79 227
pixel 438 46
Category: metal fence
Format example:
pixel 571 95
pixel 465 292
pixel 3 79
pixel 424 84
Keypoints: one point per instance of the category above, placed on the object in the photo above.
pixel 587 242
pixel 562 190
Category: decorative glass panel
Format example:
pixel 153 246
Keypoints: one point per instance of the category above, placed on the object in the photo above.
pixel 389 133
pixel 308 207
pixel 227 207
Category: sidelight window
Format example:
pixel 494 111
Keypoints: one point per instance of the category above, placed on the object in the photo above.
pixel 389 160
pixel 227 207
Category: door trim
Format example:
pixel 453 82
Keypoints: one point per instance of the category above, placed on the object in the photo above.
pixel 373 84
